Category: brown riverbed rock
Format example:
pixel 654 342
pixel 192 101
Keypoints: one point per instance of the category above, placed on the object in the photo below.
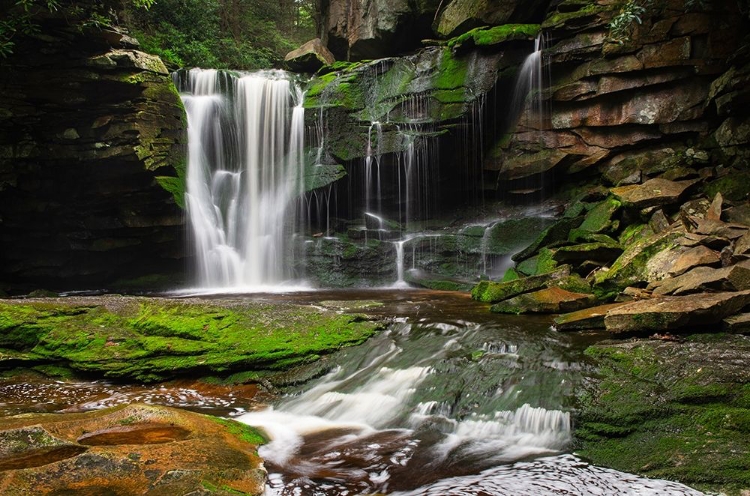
pixel 675 313
pixel 136 449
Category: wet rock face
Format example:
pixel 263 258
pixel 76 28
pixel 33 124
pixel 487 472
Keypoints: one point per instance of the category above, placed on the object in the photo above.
pixel 367 29
pixel 624 109
pixel 91 138
pixel 138 449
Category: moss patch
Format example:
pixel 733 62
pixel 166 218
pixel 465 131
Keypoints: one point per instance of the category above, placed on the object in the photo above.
pixel 484 36
pixel 151 339
pixel 677 411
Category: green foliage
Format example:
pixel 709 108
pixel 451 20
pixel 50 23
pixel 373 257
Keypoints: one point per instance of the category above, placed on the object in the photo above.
pixel 634 12
pixel 621 26
pixel 218 34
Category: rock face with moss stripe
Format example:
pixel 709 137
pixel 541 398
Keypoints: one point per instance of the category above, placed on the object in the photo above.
pixel 152 339
pixel 92 159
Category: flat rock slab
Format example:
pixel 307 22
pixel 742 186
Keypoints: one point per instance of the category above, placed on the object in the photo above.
pixel 136 449
pixel 586 319
pixel 694 257
pixel 675 313
pixel 732 278
pixel 549 300
pixel 652 193
pixel 737 324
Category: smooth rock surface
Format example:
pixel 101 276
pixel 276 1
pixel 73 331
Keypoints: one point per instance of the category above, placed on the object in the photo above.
pixel 675 313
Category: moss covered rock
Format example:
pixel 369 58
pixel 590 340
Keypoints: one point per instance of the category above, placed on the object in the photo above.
pixel 151 339
pixel 670 410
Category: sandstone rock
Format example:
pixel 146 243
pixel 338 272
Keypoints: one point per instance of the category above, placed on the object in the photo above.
pixel 742 245
pixel 90 198
pixel 491 292
pixel 694 257
pixel 586 319
pixel 737 324
pixel 734 278
pixel 33 446
pixel 309 57
pixel 659 222
pixel 692 210
pixel 631 268
pixel 708 227
pixel 682 103
pixel 714 211
pixel 654 192
pixel 459 16
pixel 137 449
pixel 550 300
pixel 675 313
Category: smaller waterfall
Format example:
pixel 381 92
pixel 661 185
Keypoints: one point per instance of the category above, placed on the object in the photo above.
pixel 528 93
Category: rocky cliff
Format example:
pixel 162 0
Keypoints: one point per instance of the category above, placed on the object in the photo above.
pixel 91 144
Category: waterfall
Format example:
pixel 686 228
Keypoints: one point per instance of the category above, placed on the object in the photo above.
pixel 245 170
pixel 530 84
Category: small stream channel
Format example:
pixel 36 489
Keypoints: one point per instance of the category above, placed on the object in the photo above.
pixel 449 400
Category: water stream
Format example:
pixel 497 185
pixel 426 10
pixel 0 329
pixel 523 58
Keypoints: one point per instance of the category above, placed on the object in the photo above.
pixel 449 400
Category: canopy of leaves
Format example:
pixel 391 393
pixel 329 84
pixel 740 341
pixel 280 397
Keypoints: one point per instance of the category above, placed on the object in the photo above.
pixel 234 34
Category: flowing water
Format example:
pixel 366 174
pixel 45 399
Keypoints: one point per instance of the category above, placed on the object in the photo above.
pixel 448 400
pixel 245 171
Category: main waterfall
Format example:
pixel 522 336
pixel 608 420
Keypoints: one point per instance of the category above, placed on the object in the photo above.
pixel 244 174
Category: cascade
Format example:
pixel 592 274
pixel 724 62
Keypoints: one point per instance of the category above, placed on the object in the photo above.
pixel 245 160
pixel 528 94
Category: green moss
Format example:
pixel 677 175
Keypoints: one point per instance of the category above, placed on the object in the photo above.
pixel 667 410
pixel 242 431
pixel 484 36
pixel 734 186
pixel 452 71
pixel 511 275
pixel 154 339
pixel 558 19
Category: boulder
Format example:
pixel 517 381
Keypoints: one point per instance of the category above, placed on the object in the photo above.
pixel 458 16
pixel 586 319
pixel 652 193
pixel 632 267
pixel 694 257
pixel 549 300
pixel 675 313
pixel 309 57
pixel 737 324
pixel 491 292
pixel 136 449
pixel 733 278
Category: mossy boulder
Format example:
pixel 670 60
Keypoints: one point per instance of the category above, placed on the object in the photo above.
pixel 672 410
pixel 490 292
pixel 549 300
pixel 151 339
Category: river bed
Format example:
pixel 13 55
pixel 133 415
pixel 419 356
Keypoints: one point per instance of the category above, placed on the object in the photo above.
pixel 450 399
